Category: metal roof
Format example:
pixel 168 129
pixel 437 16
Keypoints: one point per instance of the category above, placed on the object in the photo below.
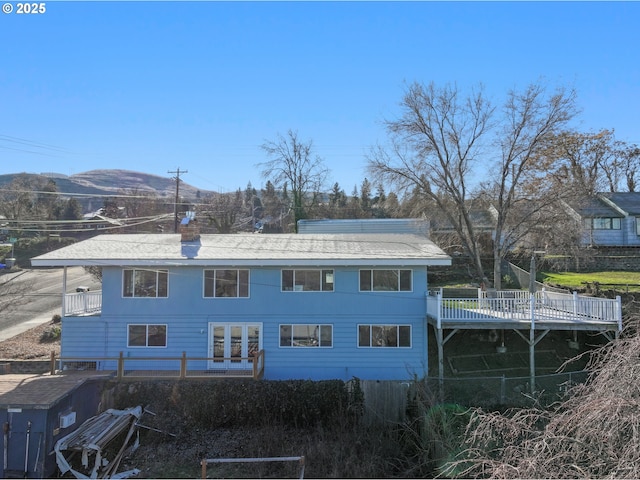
pixel 369 225
pixel 248 250
pixel 595 207
pixel 628 202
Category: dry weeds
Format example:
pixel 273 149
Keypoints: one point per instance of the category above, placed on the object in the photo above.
pixel 593 433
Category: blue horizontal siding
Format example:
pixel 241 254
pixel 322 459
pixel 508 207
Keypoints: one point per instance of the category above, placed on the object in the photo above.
pixel 188 315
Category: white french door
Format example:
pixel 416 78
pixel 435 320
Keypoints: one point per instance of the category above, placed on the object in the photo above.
pixel 233 345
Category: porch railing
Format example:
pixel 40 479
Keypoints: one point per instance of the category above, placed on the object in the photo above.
pixel 82 303
pixel 163 367
pixel 522 305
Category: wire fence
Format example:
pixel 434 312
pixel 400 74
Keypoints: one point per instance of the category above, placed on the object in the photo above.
pixel 389 401
pixel 488 391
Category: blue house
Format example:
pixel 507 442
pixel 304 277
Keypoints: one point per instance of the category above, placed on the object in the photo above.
pixel 306 306
pixel 610 219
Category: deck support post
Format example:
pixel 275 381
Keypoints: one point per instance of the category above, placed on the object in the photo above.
pixel 532 341
pixel 64 291
pixel 532 361
pixel 440 344
pixel 441 340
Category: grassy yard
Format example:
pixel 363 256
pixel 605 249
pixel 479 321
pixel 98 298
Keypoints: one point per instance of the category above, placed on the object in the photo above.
pixel 578 280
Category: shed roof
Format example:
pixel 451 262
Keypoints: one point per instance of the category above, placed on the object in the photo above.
pixel 248 250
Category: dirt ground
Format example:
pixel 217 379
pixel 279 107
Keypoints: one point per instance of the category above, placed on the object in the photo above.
pixel 31 345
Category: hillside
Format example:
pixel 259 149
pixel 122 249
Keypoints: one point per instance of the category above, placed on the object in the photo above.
pixel 109 182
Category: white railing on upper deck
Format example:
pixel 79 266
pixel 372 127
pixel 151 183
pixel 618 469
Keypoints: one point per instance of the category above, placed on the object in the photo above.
pixel 522 305
pixel 82 303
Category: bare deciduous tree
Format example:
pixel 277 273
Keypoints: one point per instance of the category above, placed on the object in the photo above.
pixel 445 144
pixel 630 163
pixel 292 162
pixel 582 163
pixel 520 196
pixel 434 147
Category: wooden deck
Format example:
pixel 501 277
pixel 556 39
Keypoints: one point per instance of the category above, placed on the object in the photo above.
pixel 524 311
pixel 520 311
pixel 122 367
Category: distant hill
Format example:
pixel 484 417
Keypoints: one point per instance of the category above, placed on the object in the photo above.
pixel 111 182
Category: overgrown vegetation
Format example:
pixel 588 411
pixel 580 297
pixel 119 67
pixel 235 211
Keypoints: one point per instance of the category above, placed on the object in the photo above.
pixel 244 418
pixel 594 432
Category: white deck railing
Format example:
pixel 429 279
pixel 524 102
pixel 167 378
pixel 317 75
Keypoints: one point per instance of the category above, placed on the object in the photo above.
pixel 520 305
pixel 82 303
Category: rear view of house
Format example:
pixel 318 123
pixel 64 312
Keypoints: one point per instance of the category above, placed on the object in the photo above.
pixel 310 306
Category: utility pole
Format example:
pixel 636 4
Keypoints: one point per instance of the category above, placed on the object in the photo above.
pixel 175 204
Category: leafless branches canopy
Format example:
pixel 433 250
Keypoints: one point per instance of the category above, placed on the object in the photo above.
pixel 292 163
pixel 434 146
pixel 460 151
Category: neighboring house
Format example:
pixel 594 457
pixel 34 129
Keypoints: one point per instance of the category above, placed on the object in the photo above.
pixel 97 221
pixel 318 306
pixel 610 219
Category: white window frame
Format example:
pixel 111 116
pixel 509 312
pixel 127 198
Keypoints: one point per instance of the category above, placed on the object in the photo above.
pixel 372 326
pixel 215 279
pixel 606 223
pixel 326 277
pixel 321 329
pixel 134 272
pixel 372 271
pixel 147 325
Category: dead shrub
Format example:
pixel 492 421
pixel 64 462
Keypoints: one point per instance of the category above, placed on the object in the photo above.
pixel 594 432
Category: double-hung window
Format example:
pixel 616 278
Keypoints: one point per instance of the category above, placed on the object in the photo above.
pixel 307 280
pixel 306 335
pixel 145 283
pixel 385 280
pixel 143 335
pixel 384 336
pixel 226 283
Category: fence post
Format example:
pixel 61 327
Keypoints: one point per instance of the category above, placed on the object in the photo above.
pixel 183 365
pixel 503 389
pixel 301 461
pixel 120 366
pixel 254 365
pixel 203 463
pixel 52 364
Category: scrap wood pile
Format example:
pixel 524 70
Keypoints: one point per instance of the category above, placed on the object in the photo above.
pixel 90 440
pixel 593 433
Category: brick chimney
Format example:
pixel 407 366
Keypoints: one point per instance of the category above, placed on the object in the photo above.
pixel 189 230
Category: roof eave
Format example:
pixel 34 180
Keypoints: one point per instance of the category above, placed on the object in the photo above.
pixel 422 262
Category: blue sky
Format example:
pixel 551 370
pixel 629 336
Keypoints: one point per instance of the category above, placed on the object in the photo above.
pixel 153 86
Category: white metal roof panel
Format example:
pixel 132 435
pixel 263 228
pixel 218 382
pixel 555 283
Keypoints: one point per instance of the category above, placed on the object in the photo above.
pixel 249 250
pixel 369 225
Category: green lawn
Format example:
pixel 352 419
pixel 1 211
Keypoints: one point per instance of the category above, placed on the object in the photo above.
pixel 577 280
